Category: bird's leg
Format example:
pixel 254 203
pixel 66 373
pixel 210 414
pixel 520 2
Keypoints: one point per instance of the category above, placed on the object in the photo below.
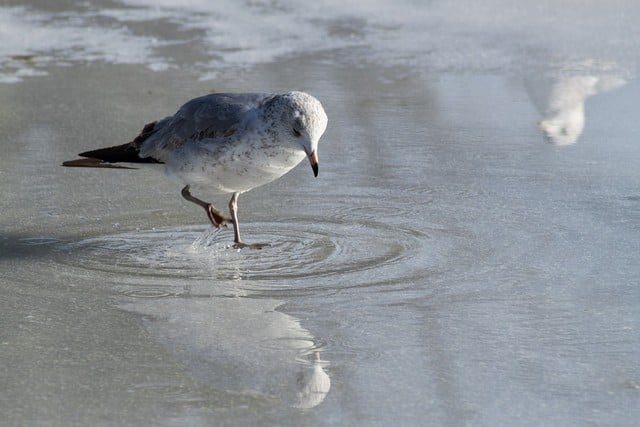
pixel 233 208
pixel 216 216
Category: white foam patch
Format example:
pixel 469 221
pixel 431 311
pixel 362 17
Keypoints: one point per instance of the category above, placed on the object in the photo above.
pixel 245 33
pixel 458 35
pixel 439 36
pixel 32 40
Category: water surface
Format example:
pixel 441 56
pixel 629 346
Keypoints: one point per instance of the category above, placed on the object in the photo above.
pixel 468 255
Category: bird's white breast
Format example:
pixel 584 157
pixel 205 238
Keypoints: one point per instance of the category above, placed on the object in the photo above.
pixel 235 166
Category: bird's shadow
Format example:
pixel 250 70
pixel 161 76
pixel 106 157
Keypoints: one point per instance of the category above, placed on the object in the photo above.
pixel 16 246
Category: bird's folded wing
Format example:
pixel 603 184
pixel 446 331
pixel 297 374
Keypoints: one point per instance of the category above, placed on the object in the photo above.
pixel 206 117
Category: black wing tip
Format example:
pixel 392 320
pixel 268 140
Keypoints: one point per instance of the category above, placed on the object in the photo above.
pixel 126 153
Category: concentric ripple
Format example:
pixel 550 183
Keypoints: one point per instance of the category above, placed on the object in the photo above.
pixel 148 293
pixel 299 250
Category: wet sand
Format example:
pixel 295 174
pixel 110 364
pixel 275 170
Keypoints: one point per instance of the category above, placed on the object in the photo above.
pixel 448 266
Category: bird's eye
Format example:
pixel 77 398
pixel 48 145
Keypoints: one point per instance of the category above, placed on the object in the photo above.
pixel 296 132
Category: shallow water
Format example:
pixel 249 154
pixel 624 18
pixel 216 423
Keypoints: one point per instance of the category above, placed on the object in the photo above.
pixel 455 262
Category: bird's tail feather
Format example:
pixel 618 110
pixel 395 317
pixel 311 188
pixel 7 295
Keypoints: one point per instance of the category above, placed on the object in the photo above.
pixel 125 153
pixel 92 163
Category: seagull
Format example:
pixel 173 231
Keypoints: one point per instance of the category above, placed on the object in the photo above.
pixel 227 142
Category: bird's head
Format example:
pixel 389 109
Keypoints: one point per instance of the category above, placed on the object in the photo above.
pixel 301 121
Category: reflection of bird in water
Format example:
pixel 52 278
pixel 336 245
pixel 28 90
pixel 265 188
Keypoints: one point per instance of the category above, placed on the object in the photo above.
pixel 565 117
pixel 313 384
pixel 241 345
pixel 230 143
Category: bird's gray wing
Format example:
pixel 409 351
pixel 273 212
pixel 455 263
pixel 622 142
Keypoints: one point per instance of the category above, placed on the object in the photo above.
pixel 205 117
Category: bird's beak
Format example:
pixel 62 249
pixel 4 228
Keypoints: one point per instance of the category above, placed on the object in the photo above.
pixel 313 159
